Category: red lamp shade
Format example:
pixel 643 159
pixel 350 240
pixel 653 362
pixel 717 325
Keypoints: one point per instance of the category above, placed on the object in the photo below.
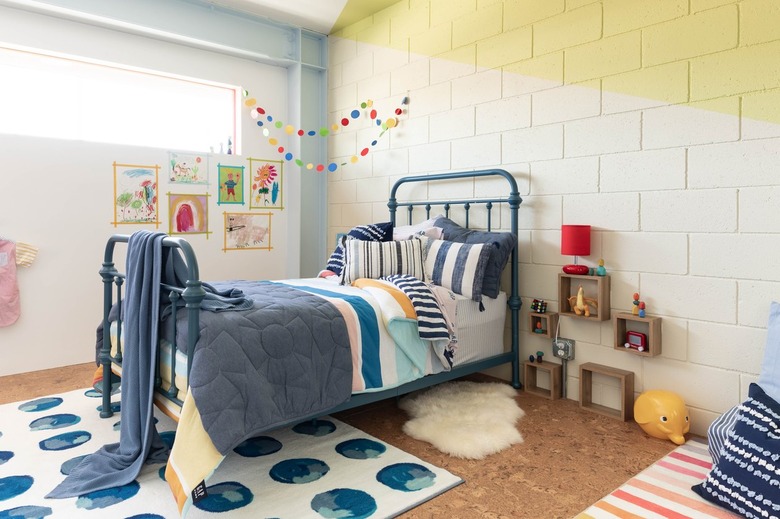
pixel 575 241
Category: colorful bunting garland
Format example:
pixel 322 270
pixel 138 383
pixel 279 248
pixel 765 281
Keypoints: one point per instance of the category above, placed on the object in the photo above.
pixel 266 121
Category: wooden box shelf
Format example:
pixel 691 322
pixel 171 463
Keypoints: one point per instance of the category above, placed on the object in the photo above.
pixel 546 323
pixel 626 378
pixel 594 288
pixel 649 326
pixel 530 371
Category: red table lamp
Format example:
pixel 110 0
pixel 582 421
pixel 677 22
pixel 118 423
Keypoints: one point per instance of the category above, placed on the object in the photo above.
pixel 575 241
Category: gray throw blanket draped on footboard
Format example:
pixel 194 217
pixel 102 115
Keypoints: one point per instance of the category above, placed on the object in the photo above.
pixel 118 464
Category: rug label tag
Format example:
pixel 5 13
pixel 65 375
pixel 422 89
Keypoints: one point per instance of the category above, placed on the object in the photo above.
pixel 199 492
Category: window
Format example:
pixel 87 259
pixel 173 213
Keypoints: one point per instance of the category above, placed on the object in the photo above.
pixel 63 97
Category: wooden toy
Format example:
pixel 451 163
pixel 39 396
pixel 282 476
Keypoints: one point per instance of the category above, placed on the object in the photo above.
pixel 601 270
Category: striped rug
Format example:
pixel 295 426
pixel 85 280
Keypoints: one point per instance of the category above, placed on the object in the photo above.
pixel 663 490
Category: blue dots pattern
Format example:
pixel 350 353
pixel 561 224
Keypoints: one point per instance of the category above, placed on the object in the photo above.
pixel 298 471
pixel 55 421
pixel 264 476
pixel 65 441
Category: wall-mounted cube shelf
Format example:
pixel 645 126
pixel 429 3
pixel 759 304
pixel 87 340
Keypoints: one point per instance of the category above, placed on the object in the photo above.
pixel 647 329
pixel 626 379
pixel 543 324
pixel 530 370
pixel 595 288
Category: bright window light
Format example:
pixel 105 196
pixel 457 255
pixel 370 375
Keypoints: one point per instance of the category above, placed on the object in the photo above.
pixel 46 95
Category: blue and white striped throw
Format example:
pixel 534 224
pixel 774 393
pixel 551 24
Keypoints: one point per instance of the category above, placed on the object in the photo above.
pixel 430 319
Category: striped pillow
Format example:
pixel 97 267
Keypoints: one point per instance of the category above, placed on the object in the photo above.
pixel 374 260
pixel 745 477
pixel 457 266
pixel 371 232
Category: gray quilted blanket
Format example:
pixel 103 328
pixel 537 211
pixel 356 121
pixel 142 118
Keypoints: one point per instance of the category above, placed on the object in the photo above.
pixel 288 357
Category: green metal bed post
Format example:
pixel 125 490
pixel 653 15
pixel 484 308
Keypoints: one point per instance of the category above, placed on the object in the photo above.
pixel 108 272
pixel 193 295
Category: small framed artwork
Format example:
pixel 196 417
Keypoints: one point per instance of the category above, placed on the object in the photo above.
pixel 188 213
pixel 135 194
pixel 188 168
pixel 266 179
pixel 247 231
pixel 231 184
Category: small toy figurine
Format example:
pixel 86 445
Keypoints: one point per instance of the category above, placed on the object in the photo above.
pixel 580 304
pixel 641 308
pixel 531 358
pixel 538 328
pixel 601 271
pixel 539 355
pixel 635 310
pixel 662 414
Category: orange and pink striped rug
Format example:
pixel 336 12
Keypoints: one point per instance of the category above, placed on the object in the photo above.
pixel 663 490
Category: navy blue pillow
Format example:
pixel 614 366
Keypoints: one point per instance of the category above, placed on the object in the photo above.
pixel 503 243
pixel 371 232
pixel 745 478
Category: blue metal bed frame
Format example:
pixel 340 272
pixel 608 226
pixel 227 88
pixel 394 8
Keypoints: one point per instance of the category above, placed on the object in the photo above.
pixel 193 293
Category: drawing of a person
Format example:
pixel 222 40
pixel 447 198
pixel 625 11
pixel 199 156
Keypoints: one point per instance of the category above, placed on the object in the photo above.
pixel 230 185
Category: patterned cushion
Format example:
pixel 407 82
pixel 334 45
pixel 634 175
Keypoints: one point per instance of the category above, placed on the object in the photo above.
pixel 374 260
pixel 371 232
pixel 746 478
pixel 769 380
pixel 501 246
pixel 457 266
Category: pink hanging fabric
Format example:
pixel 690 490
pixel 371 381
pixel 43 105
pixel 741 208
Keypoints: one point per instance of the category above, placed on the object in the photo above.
pixel 9 287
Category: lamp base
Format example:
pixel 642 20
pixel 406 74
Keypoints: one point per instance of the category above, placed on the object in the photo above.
pixel 580 270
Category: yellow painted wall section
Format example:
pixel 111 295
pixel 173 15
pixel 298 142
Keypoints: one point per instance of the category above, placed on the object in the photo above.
pixel 710 48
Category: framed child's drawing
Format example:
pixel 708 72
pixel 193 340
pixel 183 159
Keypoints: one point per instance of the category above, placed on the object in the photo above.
pixel 267 187
pixel 231 184
pixel 188 214
pixel 188 168
pixel 247 231
pixel 135 194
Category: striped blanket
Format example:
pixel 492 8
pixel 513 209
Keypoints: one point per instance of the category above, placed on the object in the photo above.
pixel 663 490
pixel 376 364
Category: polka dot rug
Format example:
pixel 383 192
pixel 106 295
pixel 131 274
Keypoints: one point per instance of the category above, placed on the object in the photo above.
pixel 323 468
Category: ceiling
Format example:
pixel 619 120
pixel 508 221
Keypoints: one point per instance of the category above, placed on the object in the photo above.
pixel 323 16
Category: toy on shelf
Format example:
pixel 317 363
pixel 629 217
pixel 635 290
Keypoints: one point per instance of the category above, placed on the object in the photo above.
pixel 636 340
pixel 539 355
pixel 532 358
pixel 539 306
pixel 662 414
pixel 580 304
pixel 639 306
pixel 539 328
pixel 601 271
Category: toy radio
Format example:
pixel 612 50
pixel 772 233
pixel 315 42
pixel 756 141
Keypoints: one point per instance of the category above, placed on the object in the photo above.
pixel 636 340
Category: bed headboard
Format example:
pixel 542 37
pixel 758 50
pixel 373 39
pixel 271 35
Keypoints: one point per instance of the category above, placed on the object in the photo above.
pixel 512 199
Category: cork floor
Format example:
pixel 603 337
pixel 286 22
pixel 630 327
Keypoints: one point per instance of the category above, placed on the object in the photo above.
pixel 569 459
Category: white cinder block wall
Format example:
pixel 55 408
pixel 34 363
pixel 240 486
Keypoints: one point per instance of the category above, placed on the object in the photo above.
pixel 655 122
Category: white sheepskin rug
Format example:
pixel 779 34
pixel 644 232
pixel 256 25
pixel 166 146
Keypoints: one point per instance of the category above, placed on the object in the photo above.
pixel 464 419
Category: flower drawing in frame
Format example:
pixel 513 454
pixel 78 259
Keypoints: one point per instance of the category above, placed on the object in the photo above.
pixel 135 194
pixel 247 231
pixel 266 178
pixel 231 184
pixel 188 213
pixel 188 168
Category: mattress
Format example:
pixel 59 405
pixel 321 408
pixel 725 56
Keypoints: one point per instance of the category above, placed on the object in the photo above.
pixel 480 334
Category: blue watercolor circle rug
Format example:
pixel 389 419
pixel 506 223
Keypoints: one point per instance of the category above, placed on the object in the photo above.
pixel 316 469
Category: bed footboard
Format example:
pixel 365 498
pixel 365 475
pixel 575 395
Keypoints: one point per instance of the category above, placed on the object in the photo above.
pixel 192 293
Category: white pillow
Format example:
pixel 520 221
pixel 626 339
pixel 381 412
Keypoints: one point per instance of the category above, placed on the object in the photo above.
pixel 374 260
pixel 405 232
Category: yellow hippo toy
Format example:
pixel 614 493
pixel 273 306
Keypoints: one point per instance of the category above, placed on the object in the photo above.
pixel 662 414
